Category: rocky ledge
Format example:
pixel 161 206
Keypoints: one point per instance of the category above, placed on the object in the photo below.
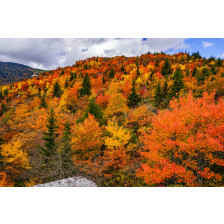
pixel 70 182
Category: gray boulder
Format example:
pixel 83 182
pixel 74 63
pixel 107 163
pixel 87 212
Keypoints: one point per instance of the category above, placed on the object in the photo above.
pixel 70 182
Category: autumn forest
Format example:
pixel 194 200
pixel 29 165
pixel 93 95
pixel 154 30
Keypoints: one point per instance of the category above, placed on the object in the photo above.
pixel 149 121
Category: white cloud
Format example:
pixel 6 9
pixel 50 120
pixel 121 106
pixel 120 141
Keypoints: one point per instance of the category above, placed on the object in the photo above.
pixel 221 56
pixel 207 44
pixel 50 53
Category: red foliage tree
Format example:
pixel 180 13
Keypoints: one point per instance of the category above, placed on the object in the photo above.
pixel 185 143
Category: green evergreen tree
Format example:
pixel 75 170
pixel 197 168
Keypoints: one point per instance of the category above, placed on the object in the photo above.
pixel 95 110
pixel 196 55
pixel 85 67
pixel 213 70
pixel 165 88
pixel 157 62
pixel 111 74
pixel 151 75
pixel 103 79
pixel 50 159
pixel 1 95
pixel 195 71
pixel 219 62
pixel 166 69
pixel 66 83
pixel 1 157
pixel 57 92
pixel 133 98
pixel 72 76
pixel 187 72
pixel 165 94
pixel 123 69
pixel 86 86
pixel 43 103
pixel 66 153
pixel 62 73
pixel 6 92
pixel 177 83
pixel 4 108
pixel 49 150
pixel 202 76
pixel 158 96
pixel 138 72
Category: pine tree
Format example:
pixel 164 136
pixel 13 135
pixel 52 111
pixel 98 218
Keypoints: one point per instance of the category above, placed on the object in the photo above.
pixel 195 71
pixel 103 80
pixel 166 69
pixel 138 72
pixel 177 83
pixel 165 88
pixel 111 74
pixel 196 55
pixel 165 96
pixel 86 86
pixel 85 67
pixel 187 72
pixel 6 92
pixel 66 153
pixel 158 96
pixel 219 62
pixel 62 73
pixel 57 92
pixel 1 95
pixel 202 76
pixel 157 62
pixel 95 110
pixel 4 108
pixel 123 69
pixel 43 103
pixel 151 75
pixel 72 76
pixel 49 151
pixel 66 84
pixel 1 157
pixel 133 98
pixel 50 167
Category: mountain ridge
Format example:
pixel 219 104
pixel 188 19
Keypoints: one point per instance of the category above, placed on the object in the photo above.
pixel 13 72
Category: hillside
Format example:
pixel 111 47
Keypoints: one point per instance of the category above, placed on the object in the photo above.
pixel 153 120
pixel 13 72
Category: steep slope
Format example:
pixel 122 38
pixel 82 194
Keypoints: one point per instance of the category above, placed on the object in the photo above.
pixel 109 118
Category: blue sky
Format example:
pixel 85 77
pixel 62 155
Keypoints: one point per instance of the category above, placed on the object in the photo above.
pixel 206 46
pixel 50 53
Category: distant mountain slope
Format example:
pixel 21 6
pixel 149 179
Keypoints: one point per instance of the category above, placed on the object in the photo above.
pixel 12 72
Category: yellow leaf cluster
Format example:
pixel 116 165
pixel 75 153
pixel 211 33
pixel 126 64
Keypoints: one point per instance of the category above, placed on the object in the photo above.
pixel 118 135
pixel 117 105
pixel 15 156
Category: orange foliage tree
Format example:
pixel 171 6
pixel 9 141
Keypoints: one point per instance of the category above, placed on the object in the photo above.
pixel 185 143
pixel 87 138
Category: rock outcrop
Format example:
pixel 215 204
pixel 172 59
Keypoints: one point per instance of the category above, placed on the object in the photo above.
pixel 70 182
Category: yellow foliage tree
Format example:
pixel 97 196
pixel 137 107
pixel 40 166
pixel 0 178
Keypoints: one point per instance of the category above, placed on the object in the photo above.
pixel 15 158
pixel 118 135
pixel 117 105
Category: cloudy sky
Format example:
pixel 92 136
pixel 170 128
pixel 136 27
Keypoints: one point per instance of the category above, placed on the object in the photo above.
pixel 50 53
